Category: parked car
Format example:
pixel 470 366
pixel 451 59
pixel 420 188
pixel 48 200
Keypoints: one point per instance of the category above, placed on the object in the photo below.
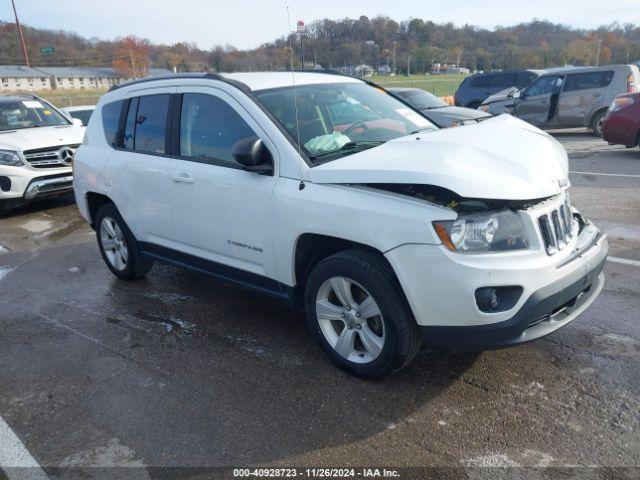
pixel 574 97
pixel 336 197
pixel 37 145
pixel 436 110
pixel 81 112
pixel 622 123
pixel 477 88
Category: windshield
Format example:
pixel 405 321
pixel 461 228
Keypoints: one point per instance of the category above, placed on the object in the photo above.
pixel 338 119
pixel 421 100
pixel 28 114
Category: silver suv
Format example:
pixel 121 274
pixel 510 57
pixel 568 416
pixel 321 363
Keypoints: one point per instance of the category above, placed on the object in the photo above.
pixel 568 97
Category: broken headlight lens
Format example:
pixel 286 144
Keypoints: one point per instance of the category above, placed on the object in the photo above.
pixel 10 159
pixel 483 232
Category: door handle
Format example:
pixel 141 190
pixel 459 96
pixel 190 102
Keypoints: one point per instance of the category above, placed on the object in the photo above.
pixel 182 178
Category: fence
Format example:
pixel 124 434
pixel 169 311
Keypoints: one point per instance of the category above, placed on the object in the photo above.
pixel 70 101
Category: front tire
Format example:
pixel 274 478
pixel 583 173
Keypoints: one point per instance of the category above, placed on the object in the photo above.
pixel 357 312
pixel 119 248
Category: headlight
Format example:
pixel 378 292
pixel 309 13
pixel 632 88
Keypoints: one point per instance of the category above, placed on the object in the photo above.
pixel 620 103
pixel 484 108
pixel 10 159
pixel 483 232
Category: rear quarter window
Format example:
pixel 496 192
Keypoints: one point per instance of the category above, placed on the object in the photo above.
pixel 587 80
pixel 111 121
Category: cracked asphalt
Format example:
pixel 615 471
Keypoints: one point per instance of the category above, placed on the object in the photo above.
pixel 179 370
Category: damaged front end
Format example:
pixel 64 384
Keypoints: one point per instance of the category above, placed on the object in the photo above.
pixel 481 225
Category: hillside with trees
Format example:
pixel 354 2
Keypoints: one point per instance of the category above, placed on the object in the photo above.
pixel 336 43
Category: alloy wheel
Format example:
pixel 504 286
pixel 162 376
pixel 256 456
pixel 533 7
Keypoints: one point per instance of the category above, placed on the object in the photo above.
pixel 350 320
pixel 113 243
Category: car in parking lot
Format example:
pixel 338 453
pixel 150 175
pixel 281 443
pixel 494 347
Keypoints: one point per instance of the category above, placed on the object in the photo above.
pixel 478 87
pixel 436 110
pixel 81 112
pixel 570 97
pixel 337 198
pixel 37 145
pixel 622 123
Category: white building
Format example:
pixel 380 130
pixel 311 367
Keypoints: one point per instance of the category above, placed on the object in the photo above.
pixel 19 78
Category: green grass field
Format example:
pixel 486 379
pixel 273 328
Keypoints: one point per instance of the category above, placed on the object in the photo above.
pixel 439 85
pixel 69 98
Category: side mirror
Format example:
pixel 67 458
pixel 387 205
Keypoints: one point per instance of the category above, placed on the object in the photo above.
pixel 253 155
pixel 516 94
pixel 77 122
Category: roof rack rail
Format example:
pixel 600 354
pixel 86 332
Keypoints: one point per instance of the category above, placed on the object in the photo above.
pixel 172 76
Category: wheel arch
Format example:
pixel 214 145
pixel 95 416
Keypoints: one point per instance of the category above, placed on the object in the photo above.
pixel 95 201
pixel 595 114
pixel 312 248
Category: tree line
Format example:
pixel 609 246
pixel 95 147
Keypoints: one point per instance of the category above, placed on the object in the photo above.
pixel 378 42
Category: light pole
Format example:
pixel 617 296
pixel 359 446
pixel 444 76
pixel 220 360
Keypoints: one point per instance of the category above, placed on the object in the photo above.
pixel 24 47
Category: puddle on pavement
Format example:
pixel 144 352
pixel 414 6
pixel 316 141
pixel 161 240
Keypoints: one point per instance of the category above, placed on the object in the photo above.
pixel 169 325
pixel 36 226
pixel 67 230
pixel 612 344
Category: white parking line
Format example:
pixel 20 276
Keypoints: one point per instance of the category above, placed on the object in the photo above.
pixel 624 261
pixel 15 459
pixel 605 174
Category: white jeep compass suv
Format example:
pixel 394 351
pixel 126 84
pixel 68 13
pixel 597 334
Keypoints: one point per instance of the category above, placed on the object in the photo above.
pixel 37 145
pixel 334 195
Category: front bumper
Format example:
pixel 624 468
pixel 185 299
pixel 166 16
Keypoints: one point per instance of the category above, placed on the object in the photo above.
pixel 23 183
pixel 547 310
pixel 40 187
pixel 439 286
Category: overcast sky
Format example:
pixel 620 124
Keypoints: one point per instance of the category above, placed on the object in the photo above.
pixel 248 23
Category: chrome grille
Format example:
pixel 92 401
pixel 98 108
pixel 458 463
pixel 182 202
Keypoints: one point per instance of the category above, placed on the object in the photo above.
pixel 557 227
pixel 51 157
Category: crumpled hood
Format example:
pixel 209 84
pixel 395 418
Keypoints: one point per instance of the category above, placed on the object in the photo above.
pixel 502 158
pixel 41 137
pixel 501 96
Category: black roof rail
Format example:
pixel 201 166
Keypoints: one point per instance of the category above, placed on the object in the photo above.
pixel 173 76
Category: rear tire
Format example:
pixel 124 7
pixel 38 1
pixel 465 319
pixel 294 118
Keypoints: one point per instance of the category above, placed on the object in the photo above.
pixel 358 314
pixel 597 122
pixel 119 248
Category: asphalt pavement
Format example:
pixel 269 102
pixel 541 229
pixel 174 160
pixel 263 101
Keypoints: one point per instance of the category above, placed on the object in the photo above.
pixel 178 370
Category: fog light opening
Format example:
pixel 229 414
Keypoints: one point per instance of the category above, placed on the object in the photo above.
pixel 497 299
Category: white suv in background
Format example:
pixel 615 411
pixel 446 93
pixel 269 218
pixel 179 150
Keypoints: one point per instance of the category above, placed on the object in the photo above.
pixel 337 197
pixel 37 145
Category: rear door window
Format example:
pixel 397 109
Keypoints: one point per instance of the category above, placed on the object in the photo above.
pixel 587 80
pixel 151 124
pixel 130 124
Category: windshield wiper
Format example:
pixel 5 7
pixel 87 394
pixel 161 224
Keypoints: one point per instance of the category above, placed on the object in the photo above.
pixel 421 130
pixel 349 146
